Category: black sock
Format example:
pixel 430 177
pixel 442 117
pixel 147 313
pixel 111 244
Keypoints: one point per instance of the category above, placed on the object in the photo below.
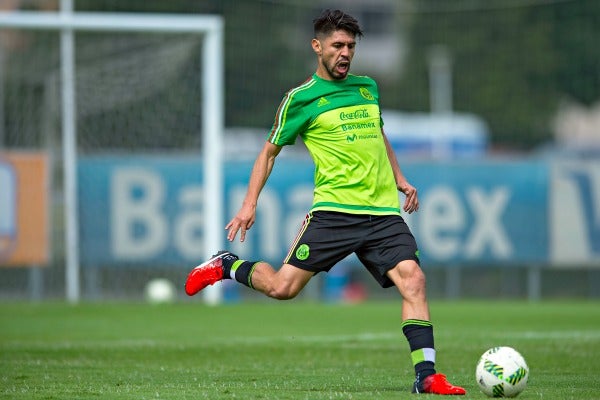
pixel 420 339
pixel 242 270
pixel 228 261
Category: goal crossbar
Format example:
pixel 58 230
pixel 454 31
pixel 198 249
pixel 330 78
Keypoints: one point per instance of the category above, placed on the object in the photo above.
pixel 211 28
pixel 124 22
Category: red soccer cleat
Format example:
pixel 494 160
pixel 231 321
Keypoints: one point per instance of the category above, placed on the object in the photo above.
pixel 207 273
pixel 438 384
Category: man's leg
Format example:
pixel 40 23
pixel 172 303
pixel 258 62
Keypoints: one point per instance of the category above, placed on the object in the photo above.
pixel 283 284
pixel 410 281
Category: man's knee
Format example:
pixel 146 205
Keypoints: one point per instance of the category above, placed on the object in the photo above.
pixel 282 292
pixel 288 282
pixel 416 275
pixel 408 269
pixel 408 277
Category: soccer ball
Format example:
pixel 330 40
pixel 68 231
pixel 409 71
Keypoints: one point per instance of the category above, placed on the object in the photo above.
pixel 160 291
pixel 502 372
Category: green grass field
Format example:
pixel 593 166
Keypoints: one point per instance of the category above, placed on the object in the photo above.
pixel 283 350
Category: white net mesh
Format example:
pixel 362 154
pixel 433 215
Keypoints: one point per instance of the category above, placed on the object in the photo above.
pixel 136 93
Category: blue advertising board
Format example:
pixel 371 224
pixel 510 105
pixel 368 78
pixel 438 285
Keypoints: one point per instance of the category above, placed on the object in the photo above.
pixel 481 212
pixel 148 211
pixel 574 206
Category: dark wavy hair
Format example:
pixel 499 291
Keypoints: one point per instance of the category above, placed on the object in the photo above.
pixel 334 20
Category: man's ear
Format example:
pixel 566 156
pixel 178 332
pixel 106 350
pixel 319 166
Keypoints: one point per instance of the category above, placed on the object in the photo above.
pixel 316 45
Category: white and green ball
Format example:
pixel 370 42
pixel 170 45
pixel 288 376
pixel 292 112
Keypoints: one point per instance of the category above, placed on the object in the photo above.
pixel 502 372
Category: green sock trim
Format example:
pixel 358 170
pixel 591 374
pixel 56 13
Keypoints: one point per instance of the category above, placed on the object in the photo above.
pixel 419 322
pixel 422 355
pixel 236 264
pixel 250 275
pixel 417 356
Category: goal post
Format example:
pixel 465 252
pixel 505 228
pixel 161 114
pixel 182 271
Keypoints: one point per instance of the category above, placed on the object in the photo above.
pixel 210 28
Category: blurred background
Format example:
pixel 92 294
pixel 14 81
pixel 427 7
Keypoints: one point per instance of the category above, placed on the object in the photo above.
pixel 493 108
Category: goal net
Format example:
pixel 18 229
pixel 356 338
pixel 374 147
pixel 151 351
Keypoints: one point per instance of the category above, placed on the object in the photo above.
pixel 128 110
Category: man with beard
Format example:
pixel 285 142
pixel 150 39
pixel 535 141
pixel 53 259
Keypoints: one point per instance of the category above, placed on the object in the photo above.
pixel 356 207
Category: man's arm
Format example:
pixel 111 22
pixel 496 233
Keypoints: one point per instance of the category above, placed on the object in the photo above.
pixel 412 200
pixel 245 217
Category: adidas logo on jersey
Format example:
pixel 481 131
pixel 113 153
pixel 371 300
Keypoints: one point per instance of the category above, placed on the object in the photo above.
pixel 322 102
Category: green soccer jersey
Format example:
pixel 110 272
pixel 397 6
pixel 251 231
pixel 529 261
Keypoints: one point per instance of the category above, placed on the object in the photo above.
pixel 340 123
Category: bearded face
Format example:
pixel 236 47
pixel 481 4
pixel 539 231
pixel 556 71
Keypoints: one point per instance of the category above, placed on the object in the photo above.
pixel 334 54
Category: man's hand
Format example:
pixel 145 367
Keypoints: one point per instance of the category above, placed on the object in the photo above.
pixel 243 221
pixel 411 203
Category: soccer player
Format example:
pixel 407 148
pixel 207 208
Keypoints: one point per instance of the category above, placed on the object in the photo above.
pixel 356 207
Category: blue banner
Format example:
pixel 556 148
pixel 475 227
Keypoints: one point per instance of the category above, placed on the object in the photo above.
pixel 481 213
pixel 148 211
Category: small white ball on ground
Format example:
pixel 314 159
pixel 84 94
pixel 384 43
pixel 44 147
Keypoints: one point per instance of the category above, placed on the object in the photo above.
pixel 160 290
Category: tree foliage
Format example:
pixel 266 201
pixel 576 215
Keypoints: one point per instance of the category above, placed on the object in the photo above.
pixel 513 62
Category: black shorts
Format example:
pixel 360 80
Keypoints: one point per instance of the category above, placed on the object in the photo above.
pixel 379 241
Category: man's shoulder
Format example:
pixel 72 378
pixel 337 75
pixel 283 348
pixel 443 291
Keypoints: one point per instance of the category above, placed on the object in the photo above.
pixel 361 79
pixel 305 85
